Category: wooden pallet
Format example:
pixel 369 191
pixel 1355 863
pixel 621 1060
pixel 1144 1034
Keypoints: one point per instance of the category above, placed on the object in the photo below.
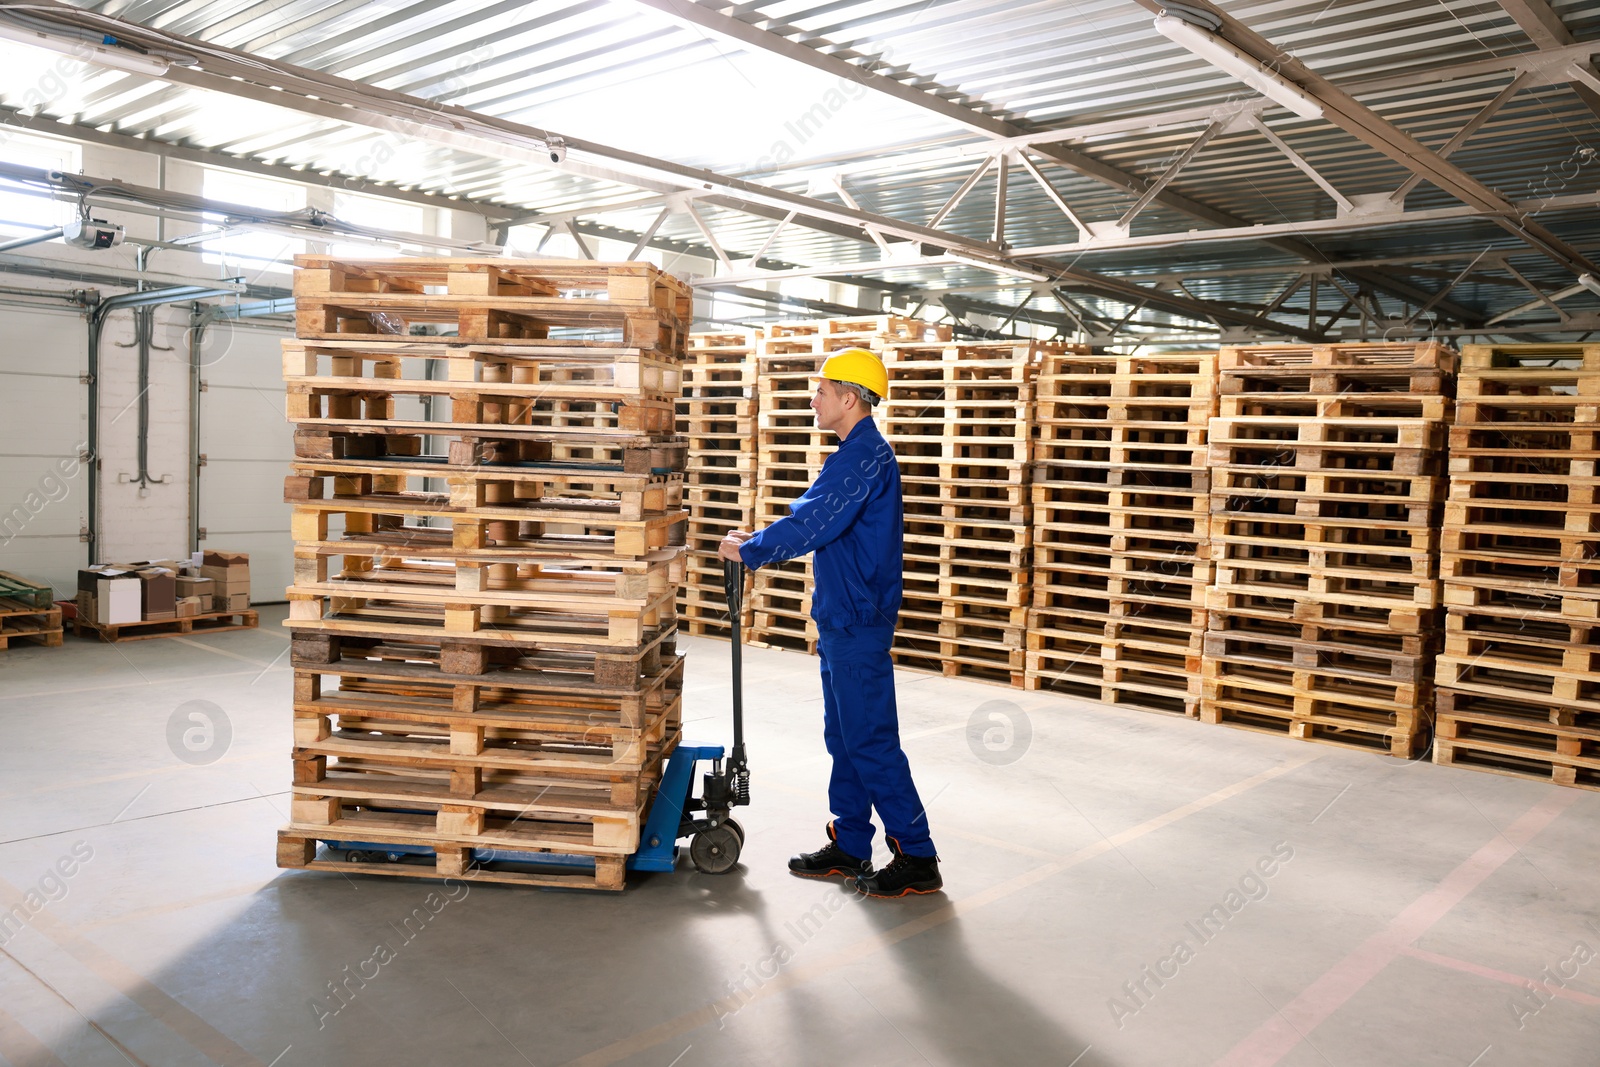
pixel 1354 613
pixel 1375 356
pixel 483 528
pixel 33 626
pixel 545 491
pixel 396 366
pixel 1369 383
pixel 1340 406
pixel 297 850
pixel 211 622
pixel 1095 441
pixel 492 444
pixel 959 659
pixel 28 612
pixel 1145 477
pixel 1330 722
pixel 1151 675
pixel 888 327
pixel 1058 414
pixel 1066 523
pixel 487 658
pixel 620 304
pixel 1478 358
pixel 1517 737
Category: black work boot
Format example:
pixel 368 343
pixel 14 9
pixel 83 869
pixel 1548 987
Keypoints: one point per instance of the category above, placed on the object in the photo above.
pixel 829 860
pixel 904 876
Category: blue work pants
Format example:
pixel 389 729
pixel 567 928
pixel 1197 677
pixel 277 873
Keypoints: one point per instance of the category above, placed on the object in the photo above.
pixel 862 728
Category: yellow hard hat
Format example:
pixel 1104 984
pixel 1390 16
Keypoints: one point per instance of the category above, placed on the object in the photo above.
pixel 858 367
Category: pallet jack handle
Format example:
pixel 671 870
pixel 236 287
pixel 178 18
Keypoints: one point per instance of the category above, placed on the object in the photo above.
pixel 733 583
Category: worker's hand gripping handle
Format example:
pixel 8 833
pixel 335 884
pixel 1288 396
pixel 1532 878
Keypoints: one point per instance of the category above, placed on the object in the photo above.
pixel 733 585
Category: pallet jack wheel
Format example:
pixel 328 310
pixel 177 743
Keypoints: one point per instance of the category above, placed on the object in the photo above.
pixel 715 851
pixel 737 828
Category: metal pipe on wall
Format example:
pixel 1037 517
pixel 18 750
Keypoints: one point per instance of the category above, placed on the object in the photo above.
pixel 99 312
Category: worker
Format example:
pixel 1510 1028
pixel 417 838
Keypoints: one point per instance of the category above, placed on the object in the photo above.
pixel 851 518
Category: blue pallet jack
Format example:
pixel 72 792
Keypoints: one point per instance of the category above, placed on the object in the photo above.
pixel 715 837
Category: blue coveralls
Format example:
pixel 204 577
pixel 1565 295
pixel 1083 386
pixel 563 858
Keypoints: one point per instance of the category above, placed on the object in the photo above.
pixel 851 518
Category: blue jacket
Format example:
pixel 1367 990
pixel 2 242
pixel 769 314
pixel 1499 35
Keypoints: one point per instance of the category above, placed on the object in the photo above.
pixel 851 517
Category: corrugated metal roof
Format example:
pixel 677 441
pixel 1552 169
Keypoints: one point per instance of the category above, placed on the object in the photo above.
pixel 624 74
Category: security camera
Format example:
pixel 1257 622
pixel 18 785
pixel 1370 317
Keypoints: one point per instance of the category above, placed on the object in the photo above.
pixel 558 150
pixel 92 233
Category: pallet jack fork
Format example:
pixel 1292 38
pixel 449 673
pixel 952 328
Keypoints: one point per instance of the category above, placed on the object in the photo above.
pixel 715 837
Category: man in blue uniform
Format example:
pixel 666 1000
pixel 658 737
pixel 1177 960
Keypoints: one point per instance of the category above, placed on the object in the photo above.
pixel 851 519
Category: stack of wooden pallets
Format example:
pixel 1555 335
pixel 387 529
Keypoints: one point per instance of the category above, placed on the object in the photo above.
pixel 1519 679
pixel 488 540
pixel 959 415
pixel 1326 493
pixel 28 612
pixel 1120 501
pixel 791 447
pixel 716 416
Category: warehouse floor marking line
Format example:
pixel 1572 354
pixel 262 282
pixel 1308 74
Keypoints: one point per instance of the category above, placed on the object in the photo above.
pixel 683 1024
pixel 130 684
pixel 18 1045
pixel 210 1041
pixel 1522 982
pixel 192 643
pixel 1284 1032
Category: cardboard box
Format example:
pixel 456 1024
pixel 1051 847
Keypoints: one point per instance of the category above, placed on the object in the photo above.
pixel 204 588
pixel 189 606
pixel 230 602
pixel 229 571
pixel 118 598
pixel 158 592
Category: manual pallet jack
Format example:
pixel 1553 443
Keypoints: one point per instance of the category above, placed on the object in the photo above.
pixel 715 837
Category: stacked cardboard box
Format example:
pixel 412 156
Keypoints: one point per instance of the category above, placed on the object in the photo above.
pixel 163 597
pixel 229 574
pixel 483 607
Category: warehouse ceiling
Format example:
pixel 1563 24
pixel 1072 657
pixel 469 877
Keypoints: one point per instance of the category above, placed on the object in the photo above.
pixel 1061 164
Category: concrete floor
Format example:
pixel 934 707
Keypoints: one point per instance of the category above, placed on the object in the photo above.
pixel 1406 908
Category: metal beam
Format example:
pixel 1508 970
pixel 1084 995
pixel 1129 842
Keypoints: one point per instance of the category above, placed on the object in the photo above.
pixel 331 179
pixel 1546 30
pixel 1367 126
pixel 1462 135
pixel 1170 173
pixel 355 103
pixel 936 99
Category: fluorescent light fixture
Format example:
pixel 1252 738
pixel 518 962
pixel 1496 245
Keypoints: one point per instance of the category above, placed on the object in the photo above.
pixel 120 58
pixel 1590 282
pixel 1214 50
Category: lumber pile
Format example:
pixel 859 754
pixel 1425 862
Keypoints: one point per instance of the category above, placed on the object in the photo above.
pixel 488 537
pixel 28 612
pixel 1518 678
pixel 716 417
pixel 1120 501
pixel 1327 487
pixel 791 447
pixel 959 415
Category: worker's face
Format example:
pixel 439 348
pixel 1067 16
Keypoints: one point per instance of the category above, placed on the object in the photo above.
pixel 829 403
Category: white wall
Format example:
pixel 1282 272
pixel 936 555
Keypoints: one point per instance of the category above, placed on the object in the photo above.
pixel 246 442
pixel 42 428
